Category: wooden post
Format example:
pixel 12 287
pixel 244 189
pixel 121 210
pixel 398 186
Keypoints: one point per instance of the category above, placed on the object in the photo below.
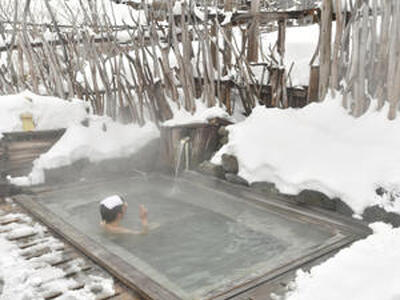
pixel 383 52
pixel 312 93
pixel 226 94
pixel 252 50
pixel 360 106
pixel 393 75
pixel 281 37
pixel 214 53
pixel 325 47
pixel 334 84
pixel 276 88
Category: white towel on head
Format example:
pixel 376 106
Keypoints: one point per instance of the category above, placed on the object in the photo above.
pixel 112 201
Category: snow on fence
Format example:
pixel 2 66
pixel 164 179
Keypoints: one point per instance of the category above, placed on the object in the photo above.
pixel 138 65
pixel 364 64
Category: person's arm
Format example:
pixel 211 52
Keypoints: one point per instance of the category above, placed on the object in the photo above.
pixel 143 218
pixel 119 229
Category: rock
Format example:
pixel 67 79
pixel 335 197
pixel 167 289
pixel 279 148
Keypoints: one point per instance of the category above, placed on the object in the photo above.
pixel 224 140
pixel 96 289
pixel 343 208
pixel 315 198
pixel 209 168
pixel 378 214
pixel 85 122
pixel 230 163
pixel 222 131
pixel 236 179
pixel 265 187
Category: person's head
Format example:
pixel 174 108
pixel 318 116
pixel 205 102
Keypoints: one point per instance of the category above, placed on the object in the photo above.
pixel 112 209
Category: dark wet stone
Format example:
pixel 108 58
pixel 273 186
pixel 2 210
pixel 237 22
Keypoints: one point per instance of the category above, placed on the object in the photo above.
pixel 343 208
pixel 96 289
pixel 265 187
pixel 222 131
pixel 315 198
pixel 380 191
pixel 230 163
pixel 85 122
pixel 224 140
pixel 378 214
pixel 236 179
pixel 211 169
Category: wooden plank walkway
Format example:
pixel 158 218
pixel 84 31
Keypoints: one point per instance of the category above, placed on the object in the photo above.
pixel 38 245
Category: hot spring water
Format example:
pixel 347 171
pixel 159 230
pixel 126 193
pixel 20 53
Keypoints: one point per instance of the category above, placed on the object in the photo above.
pixel 205 239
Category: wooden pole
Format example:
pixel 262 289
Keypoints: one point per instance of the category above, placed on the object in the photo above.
pixel 252 50
pixel 325 47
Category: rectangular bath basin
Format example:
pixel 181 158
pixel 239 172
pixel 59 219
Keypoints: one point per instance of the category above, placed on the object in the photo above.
pixel 205 241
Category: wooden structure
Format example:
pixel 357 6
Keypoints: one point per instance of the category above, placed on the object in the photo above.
pixel 203 141
pixel 136 74
pixel 18 150
pixel 345 230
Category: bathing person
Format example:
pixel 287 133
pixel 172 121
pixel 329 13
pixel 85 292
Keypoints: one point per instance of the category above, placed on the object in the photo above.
pixel 112 211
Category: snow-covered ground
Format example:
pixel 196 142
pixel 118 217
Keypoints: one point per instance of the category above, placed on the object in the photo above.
pixel 367 270
pixel 320 147
pixel 47 112
pixel 101 139
pixel 34 278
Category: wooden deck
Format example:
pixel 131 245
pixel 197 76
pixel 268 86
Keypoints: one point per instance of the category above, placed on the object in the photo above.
pixel 46 247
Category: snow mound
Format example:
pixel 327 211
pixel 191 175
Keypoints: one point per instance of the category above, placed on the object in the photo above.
pixel 320 147
pixel 36 278
pixel 103 139
pixel 48 112
pixel 372 271
pixel 201 115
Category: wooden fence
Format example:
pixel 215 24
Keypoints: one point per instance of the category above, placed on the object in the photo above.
pixel 140 71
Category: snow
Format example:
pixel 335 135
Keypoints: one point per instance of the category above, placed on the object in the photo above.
pixel 201 115
pixel 321 147
pixel 92 143
pixel 102 139
pixel 48 112
pixel 367 270
pixel 35 278
pixel 301 43
pixel 69 12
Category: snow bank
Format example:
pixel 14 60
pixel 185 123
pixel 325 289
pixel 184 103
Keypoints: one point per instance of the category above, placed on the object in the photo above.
pixel 73 12
pixel 371 266
pixel 48 112
pixel 320 147
pixel 92 143
pixel 201 115
pixel 32 279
